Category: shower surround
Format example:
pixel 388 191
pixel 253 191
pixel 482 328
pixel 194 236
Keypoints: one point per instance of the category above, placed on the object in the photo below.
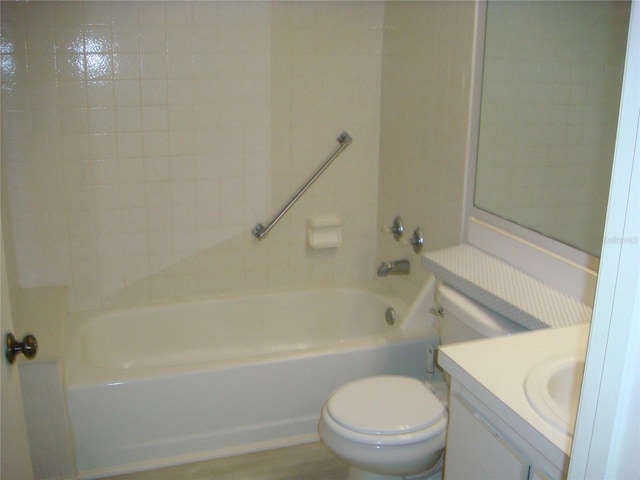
pixel 143 140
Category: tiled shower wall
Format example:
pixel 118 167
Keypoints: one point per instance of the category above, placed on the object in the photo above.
pixel 428 51
pixel 143 140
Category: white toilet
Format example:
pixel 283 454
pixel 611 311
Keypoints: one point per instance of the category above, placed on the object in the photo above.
pixel 394 427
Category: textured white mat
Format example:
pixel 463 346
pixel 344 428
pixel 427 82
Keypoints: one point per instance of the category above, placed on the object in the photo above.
pixel 505 289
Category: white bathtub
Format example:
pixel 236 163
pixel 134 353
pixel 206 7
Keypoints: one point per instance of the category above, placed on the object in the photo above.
pixel 162 385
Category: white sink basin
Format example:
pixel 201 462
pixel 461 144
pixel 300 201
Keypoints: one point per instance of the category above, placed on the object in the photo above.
pixel 553 390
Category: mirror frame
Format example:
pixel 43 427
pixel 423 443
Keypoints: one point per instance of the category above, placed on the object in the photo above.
pixel 551 247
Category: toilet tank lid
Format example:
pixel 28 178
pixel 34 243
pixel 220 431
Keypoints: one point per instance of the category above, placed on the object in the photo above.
pixel 385 405
pixel 478 317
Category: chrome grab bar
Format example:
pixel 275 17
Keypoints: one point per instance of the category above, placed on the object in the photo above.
pixel 260 231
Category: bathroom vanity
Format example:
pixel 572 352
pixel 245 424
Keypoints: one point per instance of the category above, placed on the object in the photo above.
pixel 513 404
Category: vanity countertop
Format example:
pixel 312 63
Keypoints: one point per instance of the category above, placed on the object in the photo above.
pixel 495 369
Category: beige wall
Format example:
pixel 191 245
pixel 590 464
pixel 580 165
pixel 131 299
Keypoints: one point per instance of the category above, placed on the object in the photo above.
pixel 426 76
pixel 143 140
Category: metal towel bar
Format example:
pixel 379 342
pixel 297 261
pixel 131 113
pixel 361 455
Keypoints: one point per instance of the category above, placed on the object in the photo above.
pixel 260 231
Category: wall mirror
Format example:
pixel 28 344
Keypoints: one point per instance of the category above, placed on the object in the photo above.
pixel 550 93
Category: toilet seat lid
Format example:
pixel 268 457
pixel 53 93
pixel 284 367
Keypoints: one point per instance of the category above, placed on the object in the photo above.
pixel 385 405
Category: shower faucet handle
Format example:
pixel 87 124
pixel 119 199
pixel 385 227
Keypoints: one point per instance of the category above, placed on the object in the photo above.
pixel 417 240
pixel 397 229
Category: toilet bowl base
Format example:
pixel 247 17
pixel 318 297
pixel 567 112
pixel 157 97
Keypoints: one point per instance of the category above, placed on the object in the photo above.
pixel 357 474
pixel 433 473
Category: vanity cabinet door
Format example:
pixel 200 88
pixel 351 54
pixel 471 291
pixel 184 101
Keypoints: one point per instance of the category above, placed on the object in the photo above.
pixel 476 450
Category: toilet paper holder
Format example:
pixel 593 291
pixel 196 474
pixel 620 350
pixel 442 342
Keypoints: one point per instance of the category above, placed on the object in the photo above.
pixel 324 231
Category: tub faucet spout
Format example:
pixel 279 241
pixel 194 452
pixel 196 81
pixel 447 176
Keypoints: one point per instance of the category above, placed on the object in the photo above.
pixel 394 267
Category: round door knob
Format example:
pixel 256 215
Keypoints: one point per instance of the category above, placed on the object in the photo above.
pixel 28 346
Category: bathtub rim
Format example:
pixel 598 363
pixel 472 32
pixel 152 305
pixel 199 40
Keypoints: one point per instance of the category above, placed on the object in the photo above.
pixel 83 376
pixel 78 373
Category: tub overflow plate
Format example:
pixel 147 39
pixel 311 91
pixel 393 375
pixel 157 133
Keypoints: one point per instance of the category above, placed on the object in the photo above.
pixel 390 316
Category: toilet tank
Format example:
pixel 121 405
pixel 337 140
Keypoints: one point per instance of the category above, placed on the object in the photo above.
pixel 463 319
